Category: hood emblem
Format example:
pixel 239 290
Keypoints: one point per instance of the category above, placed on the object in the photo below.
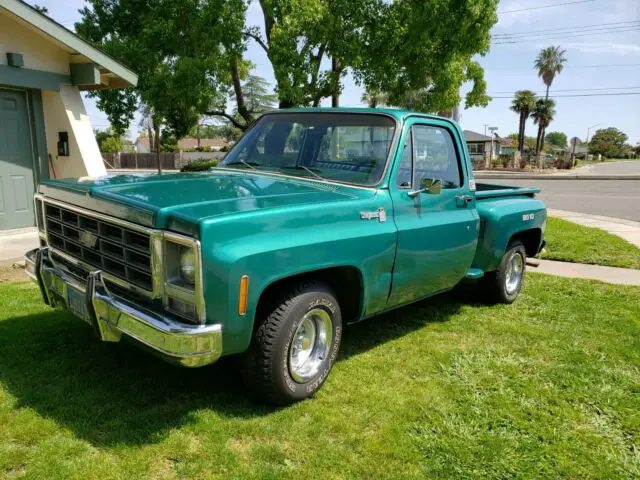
pixel 88 239
pixel 380 214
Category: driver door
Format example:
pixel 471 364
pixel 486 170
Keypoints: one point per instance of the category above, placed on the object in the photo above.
pixel 437 233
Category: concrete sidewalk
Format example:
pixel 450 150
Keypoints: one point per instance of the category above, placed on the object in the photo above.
pixel 625 229
pixel 619 276
pixel 15 243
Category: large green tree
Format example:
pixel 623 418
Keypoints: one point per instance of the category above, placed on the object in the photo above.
pixel 523 103
pixel 608 142
pixel 556 138
pixel 189 53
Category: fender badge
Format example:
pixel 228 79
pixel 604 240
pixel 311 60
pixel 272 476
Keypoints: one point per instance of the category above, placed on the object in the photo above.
pixel 380 214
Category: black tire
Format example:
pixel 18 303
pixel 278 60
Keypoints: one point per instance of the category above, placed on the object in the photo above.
pixel 495 283
pixel 266 366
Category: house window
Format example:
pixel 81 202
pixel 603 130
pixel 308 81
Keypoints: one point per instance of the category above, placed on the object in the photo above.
pixel 476 148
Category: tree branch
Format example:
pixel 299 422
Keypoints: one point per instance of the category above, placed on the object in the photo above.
pixel 268 21
pixel 229 117
pixel 258 40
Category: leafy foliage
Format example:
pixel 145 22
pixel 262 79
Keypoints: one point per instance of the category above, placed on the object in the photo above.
pixel 181 51
pixel 199 165
pixel 189 53
pixel 549 63
pixel 608 142
pixel 556 138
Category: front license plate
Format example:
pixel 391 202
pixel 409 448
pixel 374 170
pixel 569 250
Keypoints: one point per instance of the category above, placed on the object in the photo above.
pixel 76 304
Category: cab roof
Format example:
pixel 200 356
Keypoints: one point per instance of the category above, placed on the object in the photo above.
pixel 397 113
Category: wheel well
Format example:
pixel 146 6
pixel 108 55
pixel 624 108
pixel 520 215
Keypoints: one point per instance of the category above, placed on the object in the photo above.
pixel 346 283
pixel 530 239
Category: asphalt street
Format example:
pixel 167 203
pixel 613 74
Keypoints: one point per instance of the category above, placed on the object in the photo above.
pixel 611 198
pixel 607 168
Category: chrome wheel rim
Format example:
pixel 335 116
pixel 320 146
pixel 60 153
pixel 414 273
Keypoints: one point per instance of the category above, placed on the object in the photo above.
pixel 310 345
pixel 514 273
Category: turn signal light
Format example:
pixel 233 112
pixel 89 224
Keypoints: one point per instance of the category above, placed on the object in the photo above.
pixel 244 293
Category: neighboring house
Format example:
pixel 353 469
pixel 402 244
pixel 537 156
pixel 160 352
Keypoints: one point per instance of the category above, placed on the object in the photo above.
pixel 44 128
pixel 480 146
pixel 213 144
pixel 508 146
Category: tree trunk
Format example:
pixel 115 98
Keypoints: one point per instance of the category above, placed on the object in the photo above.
pixel 546 97
pixel 237 88
pixel 150 133
pixel 521 133
pixel 335 94
pixel 157 128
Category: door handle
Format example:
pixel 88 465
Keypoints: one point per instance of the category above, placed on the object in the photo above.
pixel 464 200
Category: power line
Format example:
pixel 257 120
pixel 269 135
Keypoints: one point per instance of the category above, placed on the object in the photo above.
pixel 561 36
pixel 584 89
pixel 588 95
pixel 551 31
pixel 571 67
pixel 545 6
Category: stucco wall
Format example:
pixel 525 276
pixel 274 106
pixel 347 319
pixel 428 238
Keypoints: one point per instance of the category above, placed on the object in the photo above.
pixel 64 112
pixel 39 52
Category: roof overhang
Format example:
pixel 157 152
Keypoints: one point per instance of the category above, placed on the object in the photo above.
pixel 91 68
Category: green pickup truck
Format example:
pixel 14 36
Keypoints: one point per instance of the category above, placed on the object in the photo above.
pixel 317 218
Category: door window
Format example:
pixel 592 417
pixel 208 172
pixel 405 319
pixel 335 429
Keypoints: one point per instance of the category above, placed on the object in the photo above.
pixel 429 152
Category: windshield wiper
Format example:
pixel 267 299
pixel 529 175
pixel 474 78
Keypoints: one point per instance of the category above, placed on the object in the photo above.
pixel 302 167
pixel 251 165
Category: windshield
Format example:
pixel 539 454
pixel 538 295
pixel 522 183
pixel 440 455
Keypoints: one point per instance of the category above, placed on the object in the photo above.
pixel 344 147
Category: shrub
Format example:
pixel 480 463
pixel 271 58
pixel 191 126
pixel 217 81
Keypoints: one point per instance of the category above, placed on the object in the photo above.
pixel 199 165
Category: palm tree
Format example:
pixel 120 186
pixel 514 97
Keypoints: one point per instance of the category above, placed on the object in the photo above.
pixel 523 103
pixel 549 63
pixel 542 114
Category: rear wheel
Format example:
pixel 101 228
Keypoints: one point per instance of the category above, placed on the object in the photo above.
pixel 504 285
pixel 295 346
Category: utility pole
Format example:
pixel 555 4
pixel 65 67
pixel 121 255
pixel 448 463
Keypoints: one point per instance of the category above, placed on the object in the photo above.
pixel 485 129
pixel 492 130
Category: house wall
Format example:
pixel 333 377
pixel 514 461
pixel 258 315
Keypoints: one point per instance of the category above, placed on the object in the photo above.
pixel 46 69
pixel 64 112
pixel 39 53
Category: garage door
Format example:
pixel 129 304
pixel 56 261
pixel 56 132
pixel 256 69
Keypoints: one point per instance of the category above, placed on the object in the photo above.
pixel 16 165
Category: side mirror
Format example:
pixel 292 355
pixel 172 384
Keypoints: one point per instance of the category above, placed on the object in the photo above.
pixel 432 186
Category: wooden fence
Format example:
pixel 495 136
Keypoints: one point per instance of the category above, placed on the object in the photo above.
pixel 169 160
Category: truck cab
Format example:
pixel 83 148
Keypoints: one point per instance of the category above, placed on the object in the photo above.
pixel 317 218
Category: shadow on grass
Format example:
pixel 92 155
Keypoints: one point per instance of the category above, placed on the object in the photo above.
pixel 118 394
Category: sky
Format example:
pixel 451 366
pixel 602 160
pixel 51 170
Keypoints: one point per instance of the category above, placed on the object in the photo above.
pixel 606 61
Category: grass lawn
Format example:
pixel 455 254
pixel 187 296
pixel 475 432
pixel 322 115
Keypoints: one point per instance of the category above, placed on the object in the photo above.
pixel 569 242
pixel 448 388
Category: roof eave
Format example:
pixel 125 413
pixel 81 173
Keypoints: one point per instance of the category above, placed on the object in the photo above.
pixel 70 39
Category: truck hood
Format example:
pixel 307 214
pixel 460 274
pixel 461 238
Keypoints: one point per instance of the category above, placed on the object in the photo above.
pixel 180 201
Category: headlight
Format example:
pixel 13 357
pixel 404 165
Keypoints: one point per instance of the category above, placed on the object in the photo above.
pixel 188 265
pixel 182 266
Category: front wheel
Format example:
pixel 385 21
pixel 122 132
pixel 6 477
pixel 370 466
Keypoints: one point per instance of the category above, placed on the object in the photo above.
pixel 295 346
pixel 504 285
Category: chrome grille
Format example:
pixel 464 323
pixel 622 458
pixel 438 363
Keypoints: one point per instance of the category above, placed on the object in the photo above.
pixel 120 251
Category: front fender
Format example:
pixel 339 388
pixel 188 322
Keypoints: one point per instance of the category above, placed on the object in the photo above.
pixel 274 245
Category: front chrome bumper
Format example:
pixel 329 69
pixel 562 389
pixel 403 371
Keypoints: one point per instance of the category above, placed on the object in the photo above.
pixel 111 316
